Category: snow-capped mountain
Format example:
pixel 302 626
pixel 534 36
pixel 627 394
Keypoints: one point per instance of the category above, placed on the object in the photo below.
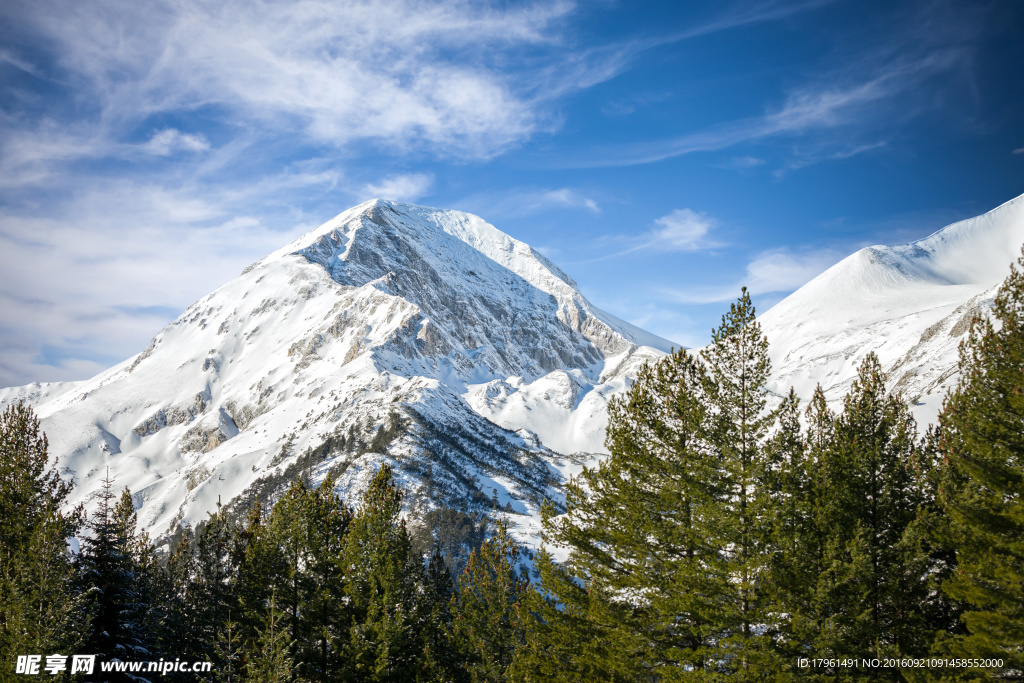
pixel 465 358
pixel 422 336
pixel 911 304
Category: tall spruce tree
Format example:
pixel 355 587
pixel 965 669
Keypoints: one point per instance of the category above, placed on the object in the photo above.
pixel 488 628
pixel 271 661
pixel 645 591
pixel 802 528
pixel 982 490
pixel 793 568
pixel 41 609
pixel 115 565
pixel 209 591
pixel 735 385
pixel 442 662
pixel 326 618
pixel 870 596
pixel 383 582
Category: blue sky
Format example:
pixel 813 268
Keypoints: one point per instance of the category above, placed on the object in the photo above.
pixel 662 153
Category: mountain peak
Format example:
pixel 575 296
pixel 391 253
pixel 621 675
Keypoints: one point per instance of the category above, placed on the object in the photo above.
pixel 429 326
pixel 908 303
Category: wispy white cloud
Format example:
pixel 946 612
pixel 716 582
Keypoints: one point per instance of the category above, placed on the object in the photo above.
pixel 1019 150
pixel 742 163
pixel 778 270
pixel 870 92
pixel 8 57
pixel 519 202
pixel 412 73
pixel 802 157
pixel 679 231
pixel 171 140
pixel 404 187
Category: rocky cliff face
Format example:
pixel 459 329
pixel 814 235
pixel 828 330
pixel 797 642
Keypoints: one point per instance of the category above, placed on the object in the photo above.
pixel 422 337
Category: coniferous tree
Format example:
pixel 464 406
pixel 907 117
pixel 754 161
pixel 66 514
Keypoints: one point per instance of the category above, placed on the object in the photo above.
pixel 41 609
pixel 271 662
pixel 735 384
pixel 792 566
pixel 115 565
pixel 256 560
pixel 802 528
pixel 328 617
pixel 870 596
pixel 441 659
pixel 228 654
pixel 488 628
pixel 644 591
pixel 982 488
pixel 209 591
pixel 383 578
pixel 178 629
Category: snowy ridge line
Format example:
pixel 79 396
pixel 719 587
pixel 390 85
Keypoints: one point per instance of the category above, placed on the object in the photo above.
pixel 392 333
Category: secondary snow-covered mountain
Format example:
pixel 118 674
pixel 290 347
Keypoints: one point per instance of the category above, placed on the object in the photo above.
pixel 422 336
pixel 911 304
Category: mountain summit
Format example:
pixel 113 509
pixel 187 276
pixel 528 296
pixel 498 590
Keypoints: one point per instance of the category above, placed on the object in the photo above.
pixel 910 303
pixel 423 337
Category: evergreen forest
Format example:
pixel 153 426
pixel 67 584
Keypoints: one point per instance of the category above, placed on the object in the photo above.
pixel 731 535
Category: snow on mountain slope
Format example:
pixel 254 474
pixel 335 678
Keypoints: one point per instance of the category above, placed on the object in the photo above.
pixel 424 337
pixel 911 304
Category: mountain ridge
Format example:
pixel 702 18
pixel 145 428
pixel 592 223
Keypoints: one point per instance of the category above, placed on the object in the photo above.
pixel 389 320
pixel 910 303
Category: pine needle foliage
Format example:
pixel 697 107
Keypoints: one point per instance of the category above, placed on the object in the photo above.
pixel 735 385
pixel 41 609
pixel 488 626
pixel 982 444
pixel 645 590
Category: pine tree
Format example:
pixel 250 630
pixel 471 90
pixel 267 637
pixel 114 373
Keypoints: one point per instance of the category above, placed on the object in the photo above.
pixel 872 553
pixel 488 624
pixel 644 591
pixel 383 579
pixel 209 591
pixel 41 609
pixel 257 562
pixel 114 565
pixel 802 528
pixel 271 662
pixel 178 629
pixel 982 490
pixel 228 654
pixel 793 568
pixel 441 659
pixel 735 384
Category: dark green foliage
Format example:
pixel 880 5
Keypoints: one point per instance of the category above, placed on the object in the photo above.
pixel 382 581
pixel 271 661
pixel 644 590
pixel 868 491
pixel 40 608
pixel 720 540
pixel 115 568
pixel 982 491
pixel 488 626
pixel 441 659
pixel 735 386
pixel 453 533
